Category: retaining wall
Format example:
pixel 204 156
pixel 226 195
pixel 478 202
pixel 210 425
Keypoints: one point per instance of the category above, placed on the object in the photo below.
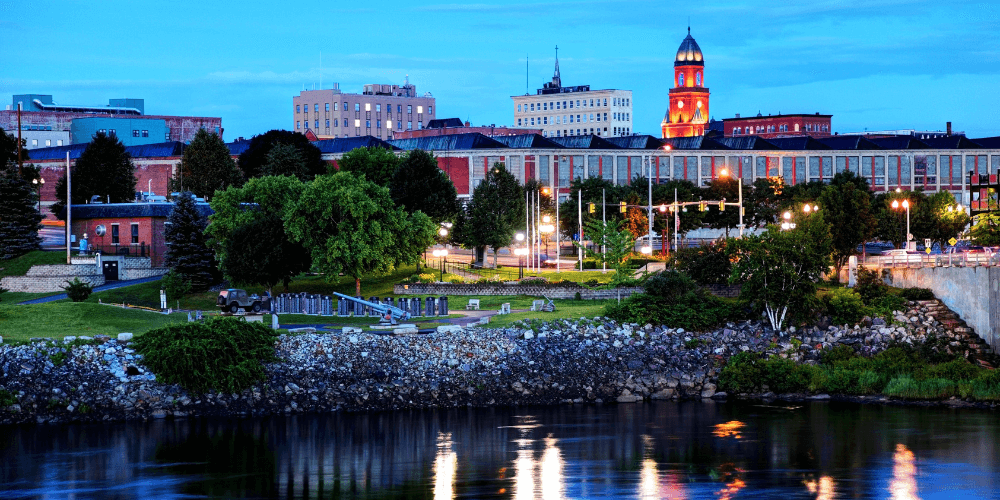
pixel 552 292
pixel 972 292
pixel 53 277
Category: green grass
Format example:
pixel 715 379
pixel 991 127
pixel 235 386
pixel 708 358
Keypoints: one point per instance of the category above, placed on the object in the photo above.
pixel 59 319
pixel 565 309
pixel 19 266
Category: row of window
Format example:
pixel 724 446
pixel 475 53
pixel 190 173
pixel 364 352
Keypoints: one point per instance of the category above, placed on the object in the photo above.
pixel 299 125
pixel 48 142
pixel 368 107
pixel 558 120
pixel 764 129
pixel 115 240
pixel 548 106
pixel 616 131
pixel 697 79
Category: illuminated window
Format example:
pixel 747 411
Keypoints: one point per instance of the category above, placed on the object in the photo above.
pixel 368 106
pixel 135 133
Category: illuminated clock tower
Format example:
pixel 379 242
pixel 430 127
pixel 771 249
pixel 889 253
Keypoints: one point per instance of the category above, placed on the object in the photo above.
pixel 688 113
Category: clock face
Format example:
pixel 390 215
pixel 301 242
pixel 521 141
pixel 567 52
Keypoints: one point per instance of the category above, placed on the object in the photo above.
pixel 699 104
pixel 680 104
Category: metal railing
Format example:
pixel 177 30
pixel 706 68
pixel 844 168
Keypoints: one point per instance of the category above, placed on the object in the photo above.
pixel 959 259
pixel 140 249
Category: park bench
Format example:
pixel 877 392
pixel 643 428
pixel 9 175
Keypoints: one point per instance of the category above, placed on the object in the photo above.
pixel 473 304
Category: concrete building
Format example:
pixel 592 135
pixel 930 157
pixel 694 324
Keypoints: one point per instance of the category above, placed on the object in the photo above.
pixel 769 127
pixel 572 111
pixel 45 123
pixel 687 114
pixel 381 110
pixel 452 126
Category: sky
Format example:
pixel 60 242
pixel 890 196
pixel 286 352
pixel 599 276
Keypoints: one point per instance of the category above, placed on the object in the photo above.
pixel 875 65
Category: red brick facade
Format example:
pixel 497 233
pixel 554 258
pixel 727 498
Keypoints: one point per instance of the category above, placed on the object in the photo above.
pixel 795 125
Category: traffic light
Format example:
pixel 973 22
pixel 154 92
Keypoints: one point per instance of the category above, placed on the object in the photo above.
pixel 701 207
pixel 722 206
pixel 623 207
pixel 590 208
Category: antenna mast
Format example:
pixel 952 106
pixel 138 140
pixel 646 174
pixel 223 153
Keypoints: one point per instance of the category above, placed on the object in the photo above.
pixel 526 74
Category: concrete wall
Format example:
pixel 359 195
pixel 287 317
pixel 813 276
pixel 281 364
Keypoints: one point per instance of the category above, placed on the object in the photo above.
pixel 972 292
pixel 552 292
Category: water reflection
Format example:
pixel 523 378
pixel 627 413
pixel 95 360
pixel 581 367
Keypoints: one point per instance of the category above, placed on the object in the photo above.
pixel 688 450
pixel 904 474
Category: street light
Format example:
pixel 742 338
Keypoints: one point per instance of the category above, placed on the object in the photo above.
pixel 546 228
pixel 787 224
pixel 725 173
pixel 39 182
pixel 906 205
pixel 441 253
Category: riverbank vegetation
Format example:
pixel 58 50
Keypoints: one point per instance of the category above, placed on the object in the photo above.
pixel 902 371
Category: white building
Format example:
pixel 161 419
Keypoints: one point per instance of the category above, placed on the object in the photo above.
pixel 567 111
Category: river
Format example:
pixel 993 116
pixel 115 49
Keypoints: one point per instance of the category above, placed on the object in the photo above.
pixel 671 450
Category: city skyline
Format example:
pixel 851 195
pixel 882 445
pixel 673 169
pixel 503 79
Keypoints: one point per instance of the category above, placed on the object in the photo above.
pixel 894 64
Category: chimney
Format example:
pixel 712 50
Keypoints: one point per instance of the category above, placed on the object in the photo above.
pixel 948 128
pixel 737 115
pixel 467 123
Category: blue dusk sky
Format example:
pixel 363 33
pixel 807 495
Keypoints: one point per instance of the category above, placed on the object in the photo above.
pixel 877 64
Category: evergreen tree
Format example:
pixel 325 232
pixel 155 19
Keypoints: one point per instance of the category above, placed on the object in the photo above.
pixel 253 160
pixel 206 166
pixel 418 184
pixel 104 169
pixel 189 256
pixel 285 159
pixel 19 220
pixel 847 208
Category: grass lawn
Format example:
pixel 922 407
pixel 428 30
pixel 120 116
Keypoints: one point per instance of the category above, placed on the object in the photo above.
pixel 572 309
pixel 59 319
pixel 19 266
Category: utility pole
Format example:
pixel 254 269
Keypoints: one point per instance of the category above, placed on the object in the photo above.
pixel 20 161
pixel 579 216
pixel 69 210
pixel 555 200
pixel 604 220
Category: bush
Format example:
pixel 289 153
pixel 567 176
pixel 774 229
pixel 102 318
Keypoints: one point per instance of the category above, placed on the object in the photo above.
pixel 707 264
pixel 987 386
pixel 670 285
pixel 870 382
pixel 838 354
pixel 844 306
pixel 697 313
pixel 77 290
pixel 841 381
pixel 6 398
pixel 427 278
pixel 743 373
pixel 870 286
pixel 957 370
pixel 917 294
pixel 785 376
pixel 222 354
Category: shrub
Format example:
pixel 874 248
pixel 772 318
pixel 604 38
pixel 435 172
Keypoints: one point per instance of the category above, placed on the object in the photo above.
pixel 785 376
pixel 837 354
pixel 844 306
pixel 917 294
pixel 222 354
pixel 957 370
pixel 6 398
pixel 175 285
pixel 534 280
pixel 870 285
pixel 743 373
pixel 885 306
pixel 77 290
pixel 670 285
pixel 706 264
pixel 426 278
pixel 870 382
pixel 841 381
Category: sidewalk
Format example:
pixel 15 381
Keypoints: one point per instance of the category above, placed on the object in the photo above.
pixel 107 286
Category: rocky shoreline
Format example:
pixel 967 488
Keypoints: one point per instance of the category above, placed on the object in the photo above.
pixel 581 361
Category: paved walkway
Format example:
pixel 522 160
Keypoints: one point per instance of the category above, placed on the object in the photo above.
pixel 106 286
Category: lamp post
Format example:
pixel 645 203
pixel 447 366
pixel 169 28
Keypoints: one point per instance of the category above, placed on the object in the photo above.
pixel 906 205
pixel 441 254
pixel 38 183
pixel 546 228
pixel 520 252
pixel 787 223
pixel 739 180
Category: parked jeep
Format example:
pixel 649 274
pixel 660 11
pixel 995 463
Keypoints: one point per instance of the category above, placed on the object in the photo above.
pixel 234 299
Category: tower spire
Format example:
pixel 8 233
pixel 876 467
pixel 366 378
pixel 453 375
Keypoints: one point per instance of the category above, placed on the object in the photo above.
pixel 556 79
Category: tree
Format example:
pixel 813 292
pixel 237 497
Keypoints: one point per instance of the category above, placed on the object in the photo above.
pixel 19 220
pixel 247 232
pixel 104 169
pixel 765 202
pixel 938 218
pixel 188 254
pixel 618 244
pixel 8 150
pixel 377 164
pixel 206 166
pixel 636 218
pixel 418 184
pixel 848 210
pixel 260 253
pixel 285 159
pixel 778 270
pixel 494 213
pixel 350 225
pixel 591 190
pixel 253 160
pixel 719 189
pixel 986 230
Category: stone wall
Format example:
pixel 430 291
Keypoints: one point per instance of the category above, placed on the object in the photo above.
pixel 552 292
pixel 972 292
pixel 53 277
pixel 142 272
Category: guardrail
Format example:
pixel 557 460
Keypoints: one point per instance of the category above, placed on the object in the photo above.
pixel 961 259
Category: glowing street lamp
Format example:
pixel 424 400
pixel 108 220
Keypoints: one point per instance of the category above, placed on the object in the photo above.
pixel 787 222
pixel 906 205
pixel 441 253
pixel 725 173
pixel 39 182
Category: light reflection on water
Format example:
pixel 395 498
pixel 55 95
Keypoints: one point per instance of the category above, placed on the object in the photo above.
pixel 689 450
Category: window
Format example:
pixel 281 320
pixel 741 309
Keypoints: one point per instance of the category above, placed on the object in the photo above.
pixel 328 124
pixel 420 110
pixel 297 127
pixel 135 233
pixel 316 124
pixel 518 108
pixel 316 107
pixel 111 133
pixel 598 117
pixel 368 124
pixel 114 234
pixel 592 102
pixel 357 107
pixel 399 108
pixel 378 124
pixel 571 105
pixel 297 110
pixel 135 133
pixel 409 125
pixel 545 120
pixel 399 125
pixel 532 121
pixel 409 109
pixel 335 106
pixel 378 108
pixel 518 122
pixel 532 106
pixel 145 133
pixel 59 142
pixel 48 142
pixel 346 107
pixel 336 122
pixel 430 110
